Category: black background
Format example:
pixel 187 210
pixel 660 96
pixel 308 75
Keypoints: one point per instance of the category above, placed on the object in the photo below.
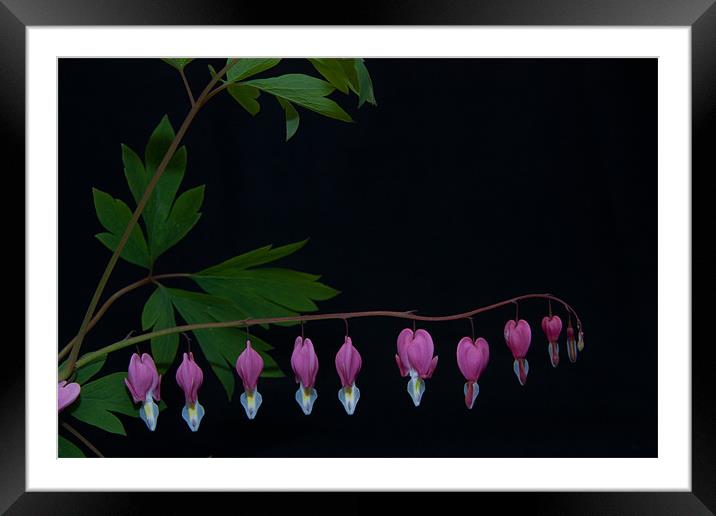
pixel 472 181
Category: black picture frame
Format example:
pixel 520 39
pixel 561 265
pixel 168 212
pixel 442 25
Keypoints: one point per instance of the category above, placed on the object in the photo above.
pixel 700 15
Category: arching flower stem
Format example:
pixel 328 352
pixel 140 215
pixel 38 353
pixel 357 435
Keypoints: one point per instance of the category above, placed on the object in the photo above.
pixel 90 357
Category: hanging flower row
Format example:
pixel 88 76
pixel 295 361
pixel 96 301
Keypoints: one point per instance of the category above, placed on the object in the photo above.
pixel 415 359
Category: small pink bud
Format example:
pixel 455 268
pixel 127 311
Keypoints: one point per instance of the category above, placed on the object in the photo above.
pixel 250 365
pixel 190 377
pixel 304 363
pixel 571 343
pixel 348 365
pixel 552 327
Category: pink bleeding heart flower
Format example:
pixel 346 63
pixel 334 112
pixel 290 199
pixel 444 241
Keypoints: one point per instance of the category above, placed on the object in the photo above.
pixel 304 363
pixel 571 343
pixel 472 358
pixel 348 365
pixel 415 358
pixel 144 383
pixel 67 393
pixel 518 336
pixel 189 376
pixel 580 341
pixel 250 365
pixel 552 327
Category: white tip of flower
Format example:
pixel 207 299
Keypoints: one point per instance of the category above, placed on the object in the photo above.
pixel 251 401
pixel 416 388
pixel 149 413
pixel 475 392
pixel 192 414
pixel 349 397
pixel 306 398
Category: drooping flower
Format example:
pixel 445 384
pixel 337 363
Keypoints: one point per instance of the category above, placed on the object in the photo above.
pixel 518 336
pixel 580 341
pixel 415 358
pixel 348 364
pixel 472 358
pixel 249 365
pixel 144 383
pixel 571 343
pixel 304 363
pixel 552 327
pixel 190 377
pixel 67 393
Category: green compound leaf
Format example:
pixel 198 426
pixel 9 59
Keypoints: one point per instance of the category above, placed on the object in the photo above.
pixel 305 91
pixel 167 219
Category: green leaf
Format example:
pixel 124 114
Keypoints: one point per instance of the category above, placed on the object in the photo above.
pixel 246 96
pixel 333 71
pixel 292 118
pixel 100 399
pixel 67 450
pixel 159 204
pixel 158 314
pixel 220 346
pixel 84 373
pixel 114 215
pixel 365 84
pixel 178 62
pixel 304 90
pixel 134 172
pixel 260 256
pixel 183 217
pixel 247 67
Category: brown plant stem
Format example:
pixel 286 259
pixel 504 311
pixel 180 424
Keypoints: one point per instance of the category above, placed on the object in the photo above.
pixel 74 351
pixel 103 309
pixel 89 357
pixel 82 438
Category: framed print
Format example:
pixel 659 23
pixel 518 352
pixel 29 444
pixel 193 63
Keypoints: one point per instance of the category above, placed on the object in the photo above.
pixel 428 257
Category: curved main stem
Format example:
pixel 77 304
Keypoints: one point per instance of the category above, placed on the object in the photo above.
pixel 103 309
pixel 203 97
pixel 89 357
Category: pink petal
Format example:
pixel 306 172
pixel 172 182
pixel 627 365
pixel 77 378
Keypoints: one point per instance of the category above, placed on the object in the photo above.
pixel 67 393
pixel 249 365
pixel 348 363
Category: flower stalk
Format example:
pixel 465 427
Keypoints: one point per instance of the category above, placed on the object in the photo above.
pixel 242 323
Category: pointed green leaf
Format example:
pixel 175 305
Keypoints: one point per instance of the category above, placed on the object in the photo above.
pixel 183 217
pixel 304 90
pixel 246 96
pixel 158 314
pixel 247 67
pixel 365 87
pixel 178 62
pixel 260 256
pixel 333 71
pixel 134 172
pixel 115 215
pixel 292 118
pixel 159 205
pixel 67 450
